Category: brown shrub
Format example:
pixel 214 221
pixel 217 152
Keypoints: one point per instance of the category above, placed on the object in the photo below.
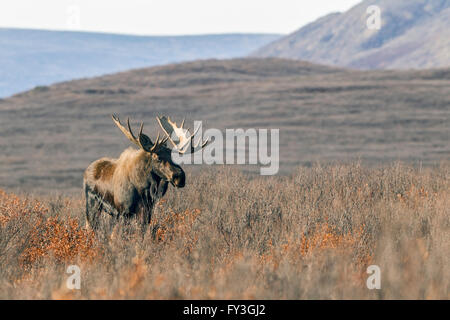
pixel 310 235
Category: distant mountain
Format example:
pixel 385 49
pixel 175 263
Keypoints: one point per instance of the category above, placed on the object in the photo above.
pixel 30 58
pixel 414 34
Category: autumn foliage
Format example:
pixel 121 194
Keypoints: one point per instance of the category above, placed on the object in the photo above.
pixel 309 235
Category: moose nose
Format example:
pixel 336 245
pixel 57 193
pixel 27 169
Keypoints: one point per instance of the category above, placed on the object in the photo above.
pixel 179 180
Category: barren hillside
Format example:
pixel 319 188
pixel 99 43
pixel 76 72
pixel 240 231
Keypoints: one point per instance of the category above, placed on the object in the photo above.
pixel 49 135
pixel 414 34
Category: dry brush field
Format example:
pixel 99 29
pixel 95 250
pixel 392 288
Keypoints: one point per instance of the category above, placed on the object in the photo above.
pixel 308 235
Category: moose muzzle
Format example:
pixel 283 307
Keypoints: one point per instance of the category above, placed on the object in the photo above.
pixel 179 179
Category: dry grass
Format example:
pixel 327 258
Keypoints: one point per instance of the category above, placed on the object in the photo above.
pixel 310 235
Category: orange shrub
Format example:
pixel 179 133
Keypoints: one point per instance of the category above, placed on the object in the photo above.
pixel 64 241
pixel 48 236
pixel 14 207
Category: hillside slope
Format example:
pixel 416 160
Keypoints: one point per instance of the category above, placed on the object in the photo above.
pixel 30 58
pixel 48 136
pixel 413 35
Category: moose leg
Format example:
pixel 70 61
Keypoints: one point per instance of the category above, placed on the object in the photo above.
pixel 147 216
pixel 146 209
pixel 149 197
pixel 93 209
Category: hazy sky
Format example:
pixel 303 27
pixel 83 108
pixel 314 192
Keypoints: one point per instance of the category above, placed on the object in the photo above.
pixel 167 17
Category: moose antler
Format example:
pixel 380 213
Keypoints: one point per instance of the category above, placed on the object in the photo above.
pixel 142 141
pixel 181 137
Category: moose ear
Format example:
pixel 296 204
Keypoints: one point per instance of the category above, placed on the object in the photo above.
pixel 145 142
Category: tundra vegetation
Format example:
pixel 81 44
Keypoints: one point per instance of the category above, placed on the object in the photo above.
pixel 323 114
pixel 309 235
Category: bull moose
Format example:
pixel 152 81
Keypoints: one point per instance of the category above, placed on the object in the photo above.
pixel 129 186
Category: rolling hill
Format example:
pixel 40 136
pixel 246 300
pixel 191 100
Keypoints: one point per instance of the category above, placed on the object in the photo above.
pixel 31 58
pixel 413 35
pixel 49 135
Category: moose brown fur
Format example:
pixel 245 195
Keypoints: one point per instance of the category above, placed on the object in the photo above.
pixel 129 186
